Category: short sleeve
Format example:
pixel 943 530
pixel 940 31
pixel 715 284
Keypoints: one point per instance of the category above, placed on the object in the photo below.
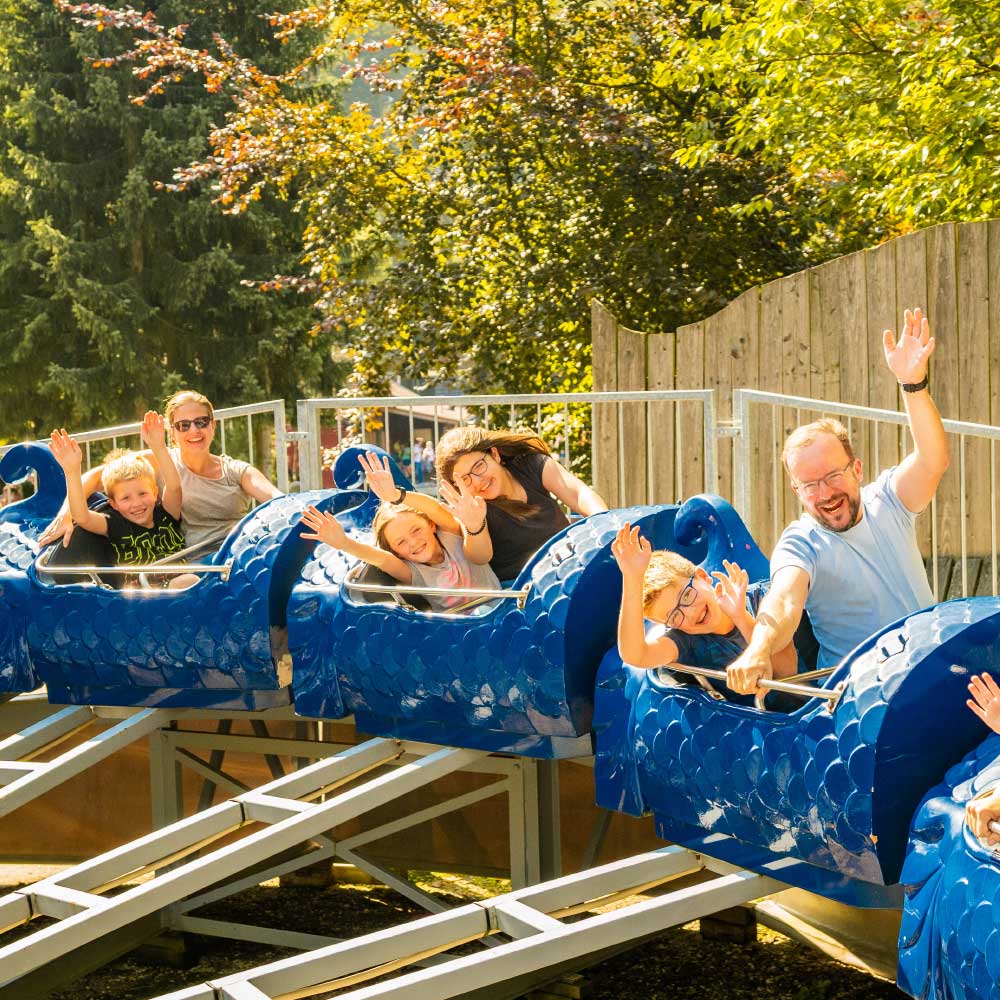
pixel 234 469
pixel 885 488
pixel 794 549
pixel 531 465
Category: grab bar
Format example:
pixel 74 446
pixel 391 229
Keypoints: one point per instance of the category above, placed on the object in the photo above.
pixel 788 687
pixel 386 588
pixel 159 570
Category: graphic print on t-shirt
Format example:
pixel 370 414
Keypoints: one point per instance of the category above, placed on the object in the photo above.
pixel 134 545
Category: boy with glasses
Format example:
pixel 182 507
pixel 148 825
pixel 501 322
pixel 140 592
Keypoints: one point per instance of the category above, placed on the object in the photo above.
pixel 707 622
pixel 851 560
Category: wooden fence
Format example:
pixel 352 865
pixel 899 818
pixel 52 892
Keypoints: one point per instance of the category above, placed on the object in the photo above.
pixel 817 333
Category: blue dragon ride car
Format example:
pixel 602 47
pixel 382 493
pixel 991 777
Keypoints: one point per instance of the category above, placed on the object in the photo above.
pixel 831 786
pixel 217 644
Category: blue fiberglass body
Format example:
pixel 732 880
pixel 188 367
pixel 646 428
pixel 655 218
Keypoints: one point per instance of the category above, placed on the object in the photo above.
pixel 503 678
pixel 218 644
pixel 949 942
pixel 831 791
pixel 20 526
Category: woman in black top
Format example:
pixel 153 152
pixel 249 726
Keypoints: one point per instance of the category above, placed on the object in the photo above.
pixel 521 483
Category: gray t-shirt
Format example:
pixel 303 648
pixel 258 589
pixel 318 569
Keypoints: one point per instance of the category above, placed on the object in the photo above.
pixel 209 505
pixel 453 571
pixel 862 579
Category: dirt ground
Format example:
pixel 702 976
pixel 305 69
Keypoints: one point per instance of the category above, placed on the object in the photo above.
pixel 678 965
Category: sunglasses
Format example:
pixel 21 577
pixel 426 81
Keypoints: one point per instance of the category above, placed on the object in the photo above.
pixel 183 426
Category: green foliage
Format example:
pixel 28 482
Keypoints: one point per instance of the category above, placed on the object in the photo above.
pixel 891 108
pixel 113 293
pixel 500 165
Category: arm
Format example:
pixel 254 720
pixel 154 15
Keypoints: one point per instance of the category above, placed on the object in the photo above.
pixel 326 528
pixel 632 552
pixel 67 453
pixel 256 485
pixel 470 515
pixel 378 475
pixel 571 490
pixel 153 431
pixel 917 476
pixel 777 620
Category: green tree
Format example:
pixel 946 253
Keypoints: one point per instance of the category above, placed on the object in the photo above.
pixel 527 157
pixel 890 107
pixel 112 292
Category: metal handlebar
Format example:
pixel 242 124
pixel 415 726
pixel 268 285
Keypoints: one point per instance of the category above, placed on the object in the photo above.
pixel 156 568
pixel 788 687
pixel 387 588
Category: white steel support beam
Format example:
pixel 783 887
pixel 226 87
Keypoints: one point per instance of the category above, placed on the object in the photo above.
pixel 531 917
pixel 37 777
pixel 94 916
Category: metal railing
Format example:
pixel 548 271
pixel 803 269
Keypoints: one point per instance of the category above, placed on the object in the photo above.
pixel 235 434
pixel 857 419
pixel 564 420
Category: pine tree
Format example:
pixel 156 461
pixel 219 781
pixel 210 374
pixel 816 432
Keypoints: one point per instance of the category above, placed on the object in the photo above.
pixel 114 292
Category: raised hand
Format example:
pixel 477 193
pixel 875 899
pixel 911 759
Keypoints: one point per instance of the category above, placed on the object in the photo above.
pixel 67 453
pixel 153 431
pixel 632 552
pixel 325 528
pixel 731 589
pixel 378 474
pixel 907 358
pixel 469 508
pixel 985 700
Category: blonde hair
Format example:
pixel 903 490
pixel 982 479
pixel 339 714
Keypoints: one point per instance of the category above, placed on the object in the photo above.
pixel 389 512
pixel 461 441
pixel 665 569
pixel 181 398
pixel 807 434
pixel 122 465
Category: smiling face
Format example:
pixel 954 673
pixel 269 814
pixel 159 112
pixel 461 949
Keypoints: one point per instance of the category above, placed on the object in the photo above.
pixel 701 616
pixel 189 436
pixel 828 482
pixel 481 473
pixel 411 536
pixel 135 499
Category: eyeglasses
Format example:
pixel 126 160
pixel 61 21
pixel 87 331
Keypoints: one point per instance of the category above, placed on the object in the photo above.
pixel 183 426
pixel 833 480
pixel 688 596
pixel 477 471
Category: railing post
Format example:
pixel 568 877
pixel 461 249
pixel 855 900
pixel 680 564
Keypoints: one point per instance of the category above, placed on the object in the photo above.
pixel 741 474
pixel 309 448
pixel 711 444
pixel 280 446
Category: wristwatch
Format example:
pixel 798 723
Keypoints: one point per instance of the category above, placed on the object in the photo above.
pixel 915 386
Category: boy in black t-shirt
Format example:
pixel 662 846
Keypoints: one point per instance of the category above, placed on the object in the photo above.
pixel 139 527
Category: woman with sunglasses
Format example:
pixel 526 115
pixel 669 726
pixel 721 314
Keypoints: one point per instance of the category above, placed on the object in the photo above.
pixel 522 485
pixel 217 489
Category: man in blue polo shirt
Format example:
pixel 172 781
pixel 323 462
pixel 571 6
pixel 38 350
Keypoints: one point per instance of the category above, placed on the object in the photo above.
pixel 851 560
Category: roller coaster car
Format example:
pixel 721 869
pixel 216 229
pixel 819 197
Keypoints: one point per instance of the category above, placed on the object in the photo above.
pixel 21 524
pixel 514 674
pixel 832 785
pixel 218 644
pixel 949 941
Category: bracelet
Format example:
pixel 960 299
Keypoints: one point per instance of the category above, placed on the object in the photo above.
pixel 915 386
pixel 401 498
pixel 478 530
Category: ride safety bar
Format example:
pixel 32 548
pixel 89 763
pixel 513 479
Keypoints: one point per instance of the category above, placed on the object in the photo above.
pixel 156 569
pixel 796 688
pixel 393 588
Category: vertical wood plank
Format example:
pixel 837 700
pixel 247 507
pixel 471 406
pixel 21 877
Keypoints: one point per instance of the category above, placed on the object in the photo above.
pixel 848 323
pixel 942 310
pixel 661 417
pixel 911 291
pixel 993 284
pixel 632 376
pixel 689 442
pixel 973 346
pixel 796 372
pixel 744 371
pixel 880 278
pixel 604 347
pixel 825 347
pixel 766 422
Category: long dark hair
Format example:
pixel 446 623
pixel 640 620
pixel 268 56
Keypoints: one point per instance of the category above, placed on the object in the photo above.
pixel 510 445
